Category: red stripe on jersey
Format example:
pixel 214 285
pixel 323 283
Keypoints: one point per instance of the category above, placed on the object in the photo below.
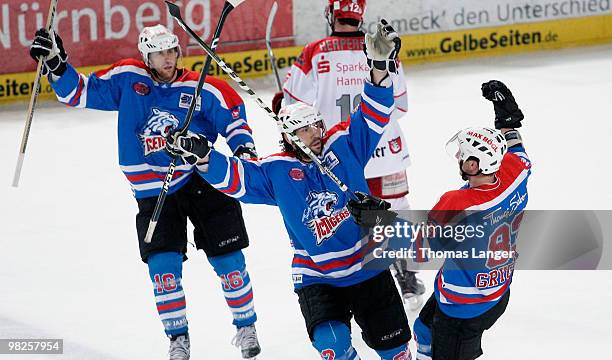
pixel 171 306
pixel 124 62
pixel 400 95
pixel 329 266
pixel 466 300
pixel 240 302
pixel 151 176
pixel 77 96
pixel 281 154
pixel 371 113
pixel 293 96
pixel 235 181
pixel 341 126
pixel 245 127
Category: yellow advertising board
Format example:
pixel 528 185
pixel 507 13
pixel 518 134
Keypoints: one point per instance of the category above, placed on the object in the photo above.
pixel 442 46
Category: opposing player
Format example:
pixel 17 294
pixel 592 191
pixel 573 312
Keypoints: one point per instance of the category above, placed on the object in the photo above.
pixel 152 96
pixel 329 74
pixel 328 273
pixel 471 293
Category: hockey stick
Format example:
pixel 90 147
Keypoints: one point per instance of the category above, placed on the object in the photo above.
pixel 175 12
pixel 269 44
pixel 296 140
pixel 33 99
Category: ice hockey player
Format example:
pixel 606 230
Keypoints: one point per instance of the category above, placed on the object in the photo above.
pixel 329 74
pixel 471 293
pixel 328 276
pixel 152 96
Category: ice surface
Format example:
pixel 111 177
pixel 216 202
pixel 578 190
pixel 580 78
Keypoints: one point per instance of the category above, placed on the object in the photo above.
pixel 69 263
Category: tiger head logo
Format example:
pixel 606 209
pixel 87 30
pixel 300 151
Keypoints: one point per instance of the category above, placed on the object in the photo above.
pixel 320 215
pixel 159 125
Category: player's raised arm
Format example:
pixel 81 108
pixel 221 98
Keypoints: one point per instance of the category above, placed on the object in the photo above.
pixel 97 91
pixel 243 180
pixel 508 115
pixel 377 103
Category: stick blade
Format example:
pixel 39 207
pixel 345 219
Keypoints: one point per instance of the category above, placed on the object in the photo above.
pixel 17 175
pixel 271 21
pixel 174 10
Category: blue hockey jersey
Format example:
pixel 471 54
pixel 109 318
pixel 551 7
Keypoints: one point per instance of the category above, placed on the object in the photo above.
pixel 149 110
pixel 468 286
pixel 326 241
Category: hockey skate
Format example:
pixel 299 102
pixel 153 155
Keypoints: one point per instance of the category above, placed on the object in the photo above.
pixel 412 288
pixel 246 340
pixel 179 347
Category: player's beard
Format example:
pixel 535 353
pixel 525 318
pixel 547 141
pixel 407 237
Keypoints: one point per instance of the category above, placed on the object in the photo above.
pixel 166 74
pixel 302 156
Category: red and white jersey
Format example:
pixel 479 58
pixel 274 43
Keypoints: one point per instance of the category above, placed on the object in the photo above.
pixel 329 74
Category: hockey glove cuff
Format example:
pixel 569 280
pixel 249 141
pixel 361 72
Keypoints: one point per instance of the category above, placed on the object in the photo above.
pixel 507 112
pixel 513 138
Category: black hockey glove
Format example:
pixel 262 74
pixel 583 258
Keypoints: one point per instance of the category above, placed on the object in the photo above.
pixel 382 48
pixel 370 211
pixel 507 112
pixel 246 152
pixel 50 48
pixel 191 147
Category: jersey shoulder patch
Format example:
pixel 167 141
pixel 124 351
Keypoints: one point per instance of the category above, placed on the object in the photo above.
pixel 228 97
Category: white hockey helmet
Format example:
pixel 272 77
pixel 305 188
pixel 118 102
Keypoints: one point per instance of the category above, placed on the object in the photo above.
pixel 485 144
pixel 156 38
pixel 298 115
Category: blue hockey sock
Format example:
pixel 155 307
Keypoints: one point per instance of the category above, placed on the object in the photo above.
pixel 332 339
pixel 231 268
pixel 401 352
pixel 422 336
pixel 166 271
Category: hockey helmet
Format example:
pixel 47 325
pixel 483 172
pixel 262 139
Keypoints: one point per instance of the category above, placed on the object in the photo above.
pixel 156 38
pixel 485 144
pixel 345 9
pixel 295 116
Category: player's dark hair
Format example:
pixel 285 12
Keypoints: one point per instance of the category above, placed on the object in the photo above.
pixel 286 147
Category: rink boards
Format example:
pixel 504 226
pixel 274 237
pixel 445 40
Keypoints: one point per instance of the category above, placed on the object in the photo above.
pixel 470 42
